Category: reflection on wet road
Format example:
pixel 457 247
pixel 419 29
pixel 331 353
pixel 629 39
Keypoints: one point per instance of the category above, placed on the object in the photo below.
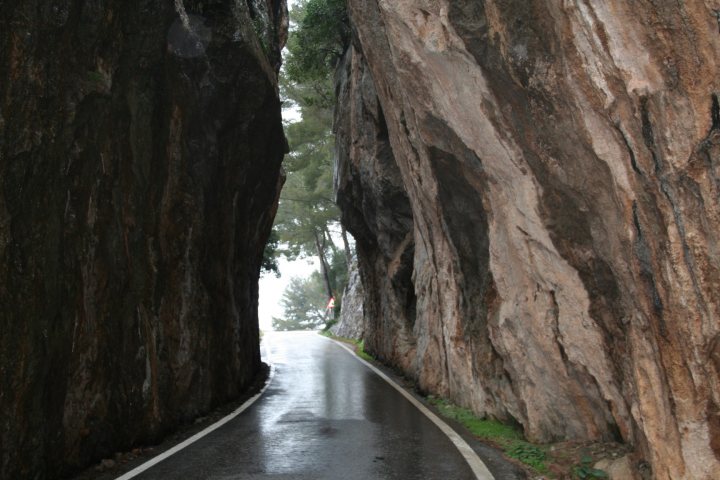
pixel 325 416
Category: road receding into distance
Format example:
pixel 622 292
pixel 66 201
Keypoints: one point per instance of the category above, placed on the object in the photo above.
pixel 325 415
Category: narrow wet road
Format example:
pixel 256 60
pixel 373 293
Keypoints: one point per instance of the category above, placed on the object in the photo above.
pixel 325 416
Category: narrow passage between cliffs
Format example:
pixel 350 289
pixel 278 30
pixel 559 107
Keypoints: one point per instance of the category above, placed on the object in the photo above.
pixel 324 416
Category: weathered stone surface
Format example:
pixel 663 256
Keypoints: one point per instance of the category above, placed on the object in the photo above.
pixel 352 321
pixel 534 189
pixel 140 148
pixel 617 469
pixel 376 209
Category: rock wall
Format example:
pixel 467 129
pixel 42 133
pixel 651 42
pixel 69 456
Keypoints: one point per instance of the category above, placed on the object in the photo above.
pixel 352 321
pixel 140 150
pixel 376 209
pixel 533 186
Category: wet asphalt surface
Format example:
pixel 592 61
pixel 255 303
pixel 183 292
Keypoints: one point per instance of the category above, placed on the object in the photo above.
pixel 324 416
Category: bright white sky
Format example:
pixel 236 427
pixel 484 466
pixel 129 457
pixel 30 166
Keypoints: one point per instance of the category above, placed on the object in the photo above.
pixel 272 288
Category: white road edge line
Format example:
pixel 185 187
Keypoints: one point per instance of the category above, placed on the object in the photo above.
pixel 154 461
pixel 476 464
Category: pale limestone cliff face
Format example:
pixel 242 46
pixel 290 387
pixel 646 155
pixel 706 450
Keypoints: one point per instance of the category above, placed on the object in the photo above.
pixel 534 191
pixel 352 321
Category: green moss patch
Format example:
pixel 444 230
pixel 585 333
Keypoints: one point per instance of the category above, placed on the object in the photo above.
pixel 358 346
pixel 509 439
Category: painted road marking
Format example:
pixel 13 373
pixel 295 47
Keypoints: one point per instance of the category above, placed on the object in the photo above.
pixel 476 465
pixel 154 461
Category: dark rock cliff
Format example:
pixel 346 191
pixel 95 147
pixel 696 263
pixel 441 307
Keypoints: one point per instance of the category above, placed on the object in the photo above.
pixel 140 150
pixel 533 186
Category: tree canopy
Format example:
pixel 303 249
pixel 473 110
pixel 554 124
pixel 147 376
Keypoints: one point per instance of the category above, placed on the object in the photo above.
pixel 269 261
pixel 306 202
pixel 304 305
pixel 319 39
pixel 307 216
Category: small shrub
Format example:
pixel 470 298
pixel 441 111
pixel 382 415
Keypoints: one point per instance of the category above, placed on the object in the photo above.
pixel 585 471
pixel 528 454
pixel 95 77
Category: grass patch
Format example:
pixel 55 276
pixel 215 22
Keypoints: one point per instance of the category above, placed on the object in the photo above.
pixel 358 344
pixel 509 439
pixel 362 353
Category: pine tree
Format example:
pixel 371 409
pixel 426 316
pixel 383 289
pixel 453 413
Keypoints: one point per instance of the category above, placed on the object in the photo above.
pixel 304 305
pixel 307 213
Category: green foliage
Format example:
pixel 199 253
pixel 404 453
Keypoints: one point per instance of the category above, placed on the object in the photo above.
pixel 359 344
pixel 585 471
pixel 307 213
pixel 317 94
pixel 269 261
pixel 338 270
pixel 260 28
pixel 483 428
pixel 511 440
pixel 306 207
pixel 362 353
pixel 528 454
pixel 318 40
pixel 303 303
pixel 95 77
